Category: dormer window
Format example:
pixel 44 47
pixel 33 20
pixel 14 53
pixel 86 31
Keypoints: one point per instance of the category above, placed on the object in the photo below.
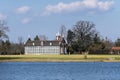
pixel 33 43
pixel 50 44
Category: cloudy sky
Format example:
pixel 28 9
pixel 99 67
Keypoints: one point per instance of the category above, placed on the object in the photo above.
pixel 44 17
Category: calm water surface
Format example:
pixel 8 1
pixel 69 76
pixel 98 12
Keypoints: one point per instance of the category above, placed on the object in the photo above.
pixel 59 71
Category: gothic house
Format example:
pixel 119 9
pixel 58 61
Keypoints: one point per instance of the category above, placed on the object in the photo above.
pixel 38 46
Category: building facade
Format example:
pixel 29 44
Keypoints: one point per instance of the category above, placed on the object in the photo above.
pixel 115 50
pixel 37 46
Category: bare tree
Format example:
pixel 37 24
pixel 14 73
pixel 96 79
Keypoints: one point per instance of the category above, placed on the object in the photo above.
pixel 63 32
pixel 3 29
pixel 20 48
pixel 20 40
pixel 43 37
pixel 84 33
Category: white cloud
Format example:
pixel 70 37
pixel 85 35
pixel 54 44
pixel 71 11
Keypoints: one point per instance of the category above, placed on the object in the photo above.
pixel 60 7
pixel 105 5
pixel 89 3
pixel 79 6
pixel 25 20
pixel 2 16
pixel 23 9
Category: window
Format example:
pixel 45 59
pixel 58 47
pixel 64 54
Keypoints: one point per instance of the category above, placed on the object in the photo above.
pixel 50 44
pixel 42 43
pixel 33 43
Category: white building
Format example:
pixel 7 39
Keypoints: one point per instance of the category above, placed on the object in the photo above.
pixel 37 46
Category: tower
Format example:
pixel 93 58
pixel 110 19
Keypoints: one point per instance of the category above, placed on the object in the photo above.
pixel 58 36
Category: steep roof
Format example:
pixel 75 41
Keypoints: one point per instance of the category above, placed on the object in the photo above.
pixel 115 48
pixel 43 43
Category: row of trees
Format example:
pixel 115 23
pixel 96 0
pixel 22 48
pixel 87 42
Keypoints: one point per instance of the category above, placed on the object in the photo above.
pixel 83 37
pixel 7 47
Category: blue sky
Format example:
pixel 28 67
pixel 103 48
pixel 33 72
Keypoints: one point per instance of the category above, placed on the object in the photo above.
pixel 45 17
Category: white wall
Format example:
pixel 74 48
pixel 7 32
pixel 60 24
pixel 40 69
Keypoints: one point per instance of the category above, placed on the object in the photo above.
pixel 42 49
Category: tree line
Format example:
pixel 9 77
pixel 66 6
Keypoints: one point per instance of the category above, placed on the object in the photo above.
pixel 82 37
pixel 7 47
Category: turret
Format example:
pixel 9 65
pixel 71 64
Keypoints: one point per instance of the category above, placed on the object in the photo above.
pixel 58 36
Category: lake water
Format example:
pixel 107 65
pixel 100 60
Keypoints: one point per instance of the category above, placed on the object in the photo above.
pixel 59 71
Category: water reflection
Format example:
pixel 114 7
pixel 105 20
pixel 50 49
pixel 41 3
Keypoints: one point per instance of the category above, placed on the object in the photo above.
pixel 59 71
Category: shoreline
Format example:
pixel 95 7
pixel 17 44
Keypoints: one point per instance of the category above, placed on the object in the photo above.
pixel 56 61
pixel 59 58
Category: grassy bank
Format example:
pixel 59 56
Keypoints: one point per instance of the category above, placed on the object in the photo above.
pixel 59 58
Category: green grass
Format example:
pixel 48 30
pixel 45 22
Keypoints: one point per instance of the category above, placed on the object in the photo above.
pixel 59 58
